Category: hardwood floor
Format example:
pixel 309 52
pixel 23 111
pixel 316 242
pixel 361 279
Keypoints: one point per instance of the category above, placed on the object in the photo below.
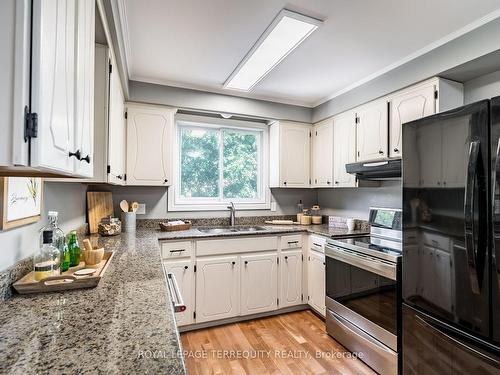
pixel 294 343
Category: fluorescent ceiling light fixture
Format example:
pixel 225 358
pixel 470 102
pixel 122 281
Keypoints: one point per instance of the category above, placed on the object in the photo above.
pixel 285 33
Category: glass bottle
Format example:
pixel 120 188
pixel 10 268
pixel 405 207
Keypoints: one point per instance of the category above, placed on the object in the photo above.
pixel 46 262
pixel 300 208
pixel 73 249
pixel 59 239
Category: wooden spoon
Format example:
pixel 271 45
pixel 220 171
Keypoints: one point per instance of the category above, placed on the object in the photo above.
pixel 124 205
pixel 134 207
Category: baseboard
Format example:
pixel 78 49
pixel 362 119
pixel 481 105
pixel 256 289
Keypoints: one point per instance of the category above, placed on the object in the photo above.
pixel 238 319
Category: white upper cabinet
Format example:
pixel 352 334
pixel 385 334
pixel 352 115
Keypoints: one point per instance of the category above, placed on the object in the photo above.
pixel 409 105
pixel 217 288
pixel 322 154
pixel 117 136
pixel 290 278
pixel 372 131
pixel 53 84
pixel 290 154
pixel 149 144
pixel 85 88
pixel 344 148
pixel 259 283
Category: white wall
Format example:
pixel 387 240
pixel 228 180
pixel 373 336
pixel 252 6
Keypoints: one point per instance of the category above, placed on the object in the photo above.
pixel 484 87
pixel 66 198
pixel 356 202
pixel 156 202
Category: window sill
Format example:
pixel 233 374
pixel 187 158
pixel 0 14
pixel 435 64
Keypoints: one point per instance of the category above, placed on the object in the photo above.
pixel 218 207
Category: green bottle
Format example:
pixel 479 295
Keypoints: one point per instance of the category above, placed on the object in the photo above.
pixel 65 259
pixel 73 250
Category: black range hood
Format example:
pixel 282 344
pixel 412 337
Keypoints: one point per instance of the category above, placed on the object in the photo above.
pixel 388 169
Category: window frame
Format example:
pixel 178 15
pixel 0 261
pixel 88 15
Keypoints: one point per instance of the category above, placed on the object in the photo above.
pixel 263 202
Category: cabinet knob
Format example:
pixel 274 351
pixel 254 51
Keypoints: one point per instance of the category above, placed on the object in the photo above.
pixel 233 263
pixel 284 182
pixel 286 258
pixel 324 263
pixel 396 150
pixel 336 182
pixel 246 262
pixel 76 154
pixel 186 267
pixel 86 158
pixel 119 177
pixel 380 152
pixel 439 183
pixel 165 180
pixel 328 182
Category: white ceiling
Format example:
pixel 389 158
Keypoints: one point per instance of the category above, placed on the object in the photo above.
pixel 198 43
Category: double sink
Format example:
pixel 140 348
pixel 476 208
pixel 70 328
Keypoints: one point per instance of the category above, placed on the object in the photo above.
pixel 223 230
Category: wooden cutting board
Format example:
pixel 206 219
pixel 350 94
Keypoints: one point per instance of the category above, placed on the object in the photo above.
pixel 99 205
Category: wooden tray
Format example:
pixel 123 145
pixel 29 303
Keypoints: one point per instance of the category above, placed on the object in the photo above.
pixel 66 280
pixel 171 228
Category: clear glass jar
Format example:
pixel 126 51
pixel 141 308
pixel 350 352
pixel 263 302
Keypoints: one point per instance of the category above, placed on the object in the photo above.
pixel 46 262
pixel 58 239
pixel 316 215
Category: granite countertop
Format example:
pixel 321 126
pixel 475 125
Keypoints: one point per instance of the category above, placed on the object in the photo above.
pixel 323 230
pixel 124 325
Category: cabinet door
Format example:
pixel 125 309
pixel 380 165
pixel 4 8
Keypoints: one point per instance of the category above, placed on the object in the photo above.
pixel 428 267
pixel 407 106
pixel 184 275
pixel 53 84
pixel 116 130
pixel 429 143
pixel 217 288
pixel 295 155
pixel 259 283
pixel 344 148
pixel 316 282
pixel 85 88
pixel 372 131
pixel 444 284
pixel 149 145
pixel 291 278
pixel 322 154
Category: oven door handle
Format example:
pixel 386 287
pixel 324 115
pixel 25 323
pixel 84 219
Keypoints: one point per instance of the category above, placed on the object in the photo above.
pixel 365 262
pixel 175 293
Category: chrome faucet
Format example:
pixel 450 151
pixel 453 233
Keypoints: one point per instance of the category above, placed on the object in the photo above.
pixel 232 210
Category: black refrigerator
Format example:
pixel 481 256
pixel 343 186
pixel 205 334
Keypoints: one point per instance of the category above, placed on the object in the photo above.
pixel 451 242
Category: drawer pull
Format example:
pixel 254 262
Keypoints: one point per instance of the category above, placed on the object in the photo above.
pixel 293 242
pixel 177 250
pixel 316 244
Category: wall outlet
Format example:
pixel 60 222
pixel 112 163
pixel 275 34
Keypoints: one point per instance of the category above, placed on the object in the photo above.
pixel 142 209
pixel 273 206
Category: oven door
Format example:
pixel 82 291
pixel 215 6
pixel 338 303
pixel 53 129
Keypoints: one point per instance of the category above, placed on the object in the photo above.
pixel 363 290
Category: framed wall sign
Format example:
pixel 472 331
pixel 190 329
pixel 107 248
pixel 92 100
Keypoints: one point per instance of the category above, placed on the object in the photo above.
pixel 20 201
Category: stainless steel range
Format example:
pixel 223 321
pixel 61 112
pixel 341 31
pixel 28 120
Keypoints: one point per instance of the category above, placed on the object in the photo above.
pixel 363 291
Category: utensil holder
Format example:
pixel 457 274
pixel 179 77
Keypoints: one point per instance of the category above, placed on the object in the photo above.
pixel 128 222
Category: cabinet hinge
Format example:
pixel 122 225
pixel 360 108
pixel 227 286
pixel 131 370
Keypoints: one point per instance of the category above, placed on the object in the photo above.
pixel 195 268
pixel 277 301
pixel 309 181
pixel 310 134
pixel 308 298
pixel 356 119
pixel 309 258
pixel 194 314
pixel 108 169
pixel 436 94
pixel 125 177
pixel 126 114
pixel 278 260
pixel 302 257
pixel 302 297
pixel 30 124
pixel 316 133
pixel 110 68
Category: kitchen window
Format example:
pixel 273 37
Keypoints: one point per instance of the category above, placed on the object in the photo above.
pixel 218 161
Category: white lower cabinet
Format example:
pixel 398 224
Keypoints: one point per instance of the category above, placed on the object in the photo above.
pixel 290 278
pixel 183 271
pixel 259 283
pixel 316 281
pixel 217 288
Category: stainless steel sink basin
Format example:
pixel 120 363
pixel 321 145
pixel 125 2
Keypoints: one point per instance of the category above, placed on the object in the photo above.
pixel 222 230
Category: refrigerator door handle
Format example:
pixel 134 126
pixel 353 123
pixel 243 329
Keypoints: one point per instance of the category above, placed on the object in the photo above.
pixel 495 256
pixel 470 230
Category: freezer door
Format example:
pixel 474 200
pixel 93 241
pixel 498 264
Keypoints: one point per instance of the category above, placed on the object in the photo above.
pixel 445 216
pixel 432 349
pixel 495 253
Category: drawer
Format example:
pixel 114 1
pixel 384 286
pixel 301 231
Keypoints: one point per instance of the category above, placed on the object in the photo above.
pixel 436 240
pixel 236 245
pixel 292 241
pixel 318 243
pixel 171 250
